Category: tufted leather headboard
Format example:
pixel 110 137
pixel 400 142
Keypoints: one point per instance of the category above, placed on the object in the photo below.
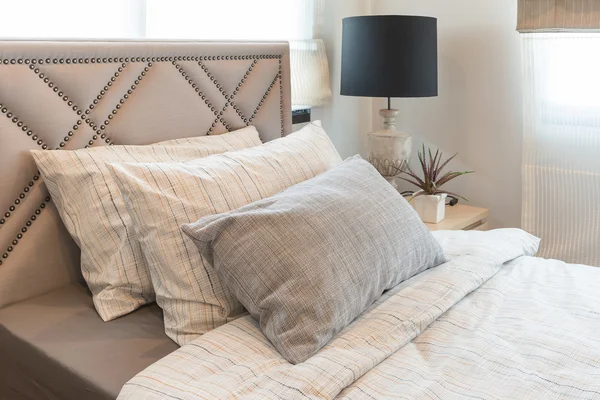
pixel 68 95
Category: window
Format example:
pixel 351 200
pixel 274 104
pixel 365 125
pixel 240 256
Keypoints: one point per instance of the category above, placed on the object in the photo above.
pixel 561 147
pixel 567 69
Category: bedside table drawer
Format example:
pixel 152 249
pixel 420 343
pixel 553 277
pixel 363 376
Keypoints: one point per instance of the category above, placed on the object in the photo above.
pixel 462 217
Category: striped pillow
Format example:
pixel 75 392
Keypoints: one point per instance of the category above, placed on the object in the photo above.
pixel 94 213
pixel 162 197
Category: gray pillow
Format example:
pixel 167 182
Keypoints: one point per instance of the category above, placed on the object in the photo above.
pixel 307 261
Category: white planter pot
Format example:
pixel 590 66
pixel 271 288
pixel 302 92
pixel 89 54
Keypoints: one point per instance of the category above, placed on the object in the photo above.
pixel 430 208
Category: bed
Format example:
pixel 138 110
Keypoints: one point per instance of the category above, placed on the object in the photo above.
pixel 491 321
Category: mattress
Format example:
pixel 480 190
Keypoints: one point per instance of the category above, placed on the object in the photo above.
pixel 55 346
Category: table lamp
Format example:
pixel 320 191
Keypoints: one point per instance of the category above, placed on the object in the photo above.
pixel 389 56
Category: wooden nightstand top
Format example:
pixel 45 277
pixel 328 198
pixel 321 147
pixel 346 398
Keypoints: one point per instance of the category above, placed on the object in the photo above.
pixel 462 217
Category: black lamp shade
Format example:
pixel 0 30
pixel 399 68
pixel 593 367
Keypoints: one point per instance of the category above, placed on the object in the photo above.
pixel 389 56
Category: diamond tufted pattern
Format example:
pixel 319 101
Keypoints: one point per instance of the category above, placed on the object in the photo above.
pixel 69 95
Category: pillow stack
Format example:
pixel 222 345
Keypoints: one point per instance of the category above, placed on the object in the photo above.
pixel 93 211
pixel 213 227
pixel 161 197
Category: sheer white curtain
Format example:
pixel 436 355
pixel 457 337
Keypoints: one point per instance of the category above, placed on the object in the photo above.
pixel 296 21
pixel 561 155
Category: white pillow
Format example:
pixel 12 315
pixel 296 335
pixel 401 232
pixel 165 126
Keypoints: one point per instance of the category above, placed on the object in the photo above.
pixel 162 197
pixel 94 213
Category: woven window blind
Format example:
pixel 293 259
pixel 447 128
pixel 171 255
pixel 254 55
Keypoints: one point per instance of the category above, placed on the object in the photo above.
pixel 558 15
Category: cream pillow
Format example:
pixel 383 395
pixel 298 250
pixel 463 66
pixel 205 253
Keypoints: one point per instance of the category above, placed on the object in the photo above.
pixel 162 197
pixel 94 213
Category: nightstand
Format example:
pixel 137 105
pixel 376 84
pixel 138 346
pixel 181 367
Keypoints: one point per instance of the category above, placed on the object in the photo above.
pixel 462 217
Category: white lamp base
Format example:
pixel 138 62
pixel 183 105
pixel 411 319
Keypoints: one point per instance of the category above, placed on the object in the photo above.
pixel 389 150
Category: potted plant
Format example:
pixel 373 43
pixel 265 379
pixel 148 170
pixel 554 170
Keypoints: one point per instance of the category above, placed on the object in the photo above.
pixel 430 200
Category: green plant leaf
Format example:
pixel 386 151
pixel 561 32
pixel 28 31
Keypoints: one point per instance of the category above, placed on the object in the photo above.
pixel 451 175
pixel 421 156
pixel 436 162
pixel 432 166
pixel 426 168
pixel 447 176
pixel 413 182
pixel 446 163
pixel 430 163
pixel 418 180
pixel 439 167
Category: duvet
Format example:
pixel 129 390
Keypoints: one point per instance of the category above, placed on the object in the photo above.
pixel 491 323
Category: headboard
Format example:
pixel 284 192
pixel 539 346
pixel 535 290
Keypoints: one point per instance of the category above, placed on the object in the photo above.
pixel 69 95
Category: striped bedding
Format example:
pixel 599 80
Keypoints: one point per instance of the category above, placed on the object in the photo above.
pixel 492 323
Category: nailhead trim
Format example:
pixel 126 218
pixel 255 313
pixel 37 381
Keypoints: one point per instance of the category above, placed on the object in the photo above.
pixel 111 60
pixel 228 99
pixel 28 224
pixel 83 116
pixel 281 96
pixel 69 102
pixel 15 120
pixel 262 101
pixel 197 90
pixel 101 131
pixel 20 199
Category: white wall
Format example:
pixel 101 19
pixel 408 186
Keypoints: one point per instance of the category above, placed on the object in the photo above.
pixel 478 112
pixel 346 119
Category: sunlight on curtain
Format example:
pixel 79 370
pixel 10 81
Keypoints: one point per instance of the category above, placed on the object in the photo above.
pixel 561 153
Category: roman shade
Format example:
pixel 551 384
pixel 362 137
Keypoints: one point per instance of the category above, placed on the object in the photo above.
pixel 558 15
